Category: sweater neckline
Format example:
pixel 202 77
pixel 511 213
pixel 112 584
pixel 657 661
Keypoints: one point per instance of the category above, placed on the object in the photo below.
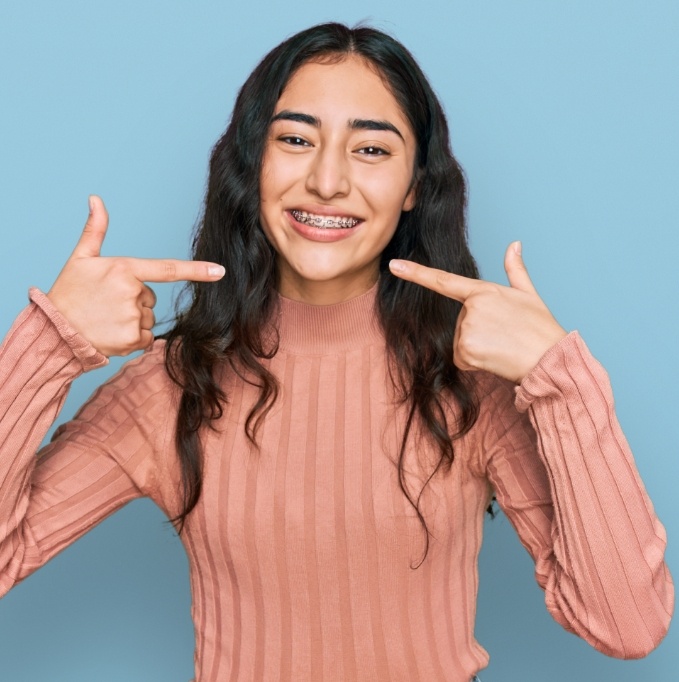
pixel 322 329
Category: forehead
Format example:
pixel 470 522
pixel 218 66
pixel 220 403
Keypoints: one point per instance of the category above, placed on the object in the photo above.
pixel 350 88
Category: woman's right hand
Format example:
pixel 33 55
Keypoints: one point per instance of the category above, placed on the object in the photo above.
pixel 105 299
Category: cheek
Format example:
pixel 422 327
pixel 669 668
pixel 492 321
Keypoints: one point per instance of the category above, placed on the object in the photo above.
pixel 279 173
pixel 266 179
pixel 266 191
pixel 387 192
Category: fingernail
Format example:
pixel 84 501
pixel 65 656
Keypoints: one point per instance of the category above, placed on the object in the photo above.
pixel 397 266
pixel 216 270
pixel 517 248
pixel 90 204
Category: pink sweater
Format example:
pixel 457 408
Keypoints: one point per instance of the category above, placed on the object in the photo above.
pixel 300 553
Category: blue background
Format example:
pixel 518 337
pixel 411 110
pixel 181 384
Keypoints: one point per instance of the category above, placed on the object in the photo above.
pixel 565 118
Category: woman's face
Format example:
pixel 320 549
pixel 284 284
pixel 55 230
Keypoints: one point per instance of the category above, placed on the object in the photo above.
pixel 337 172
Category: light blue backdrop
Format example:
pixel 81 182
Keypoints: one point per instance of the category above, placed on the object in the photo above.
pixel 565 116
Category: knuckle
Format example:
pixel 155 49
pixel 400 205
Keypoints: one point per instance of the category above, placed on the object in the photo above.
pixel 468 350
pixel 126 294
pixel 130 338
pixel 459 362
pixel 117 266
pixel 119 275
pixel 169 269
pixel 464 347
pixel 465 327
pixel 442 278
pixel 489 289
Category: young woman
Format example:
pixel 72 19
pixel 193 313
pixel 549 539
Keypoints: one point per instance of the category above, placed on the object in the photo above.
pixel 333 412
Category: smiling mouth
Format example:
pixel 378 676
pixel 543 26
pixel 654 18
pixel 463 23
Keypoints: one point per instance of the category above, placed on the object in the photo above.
pixel 324 221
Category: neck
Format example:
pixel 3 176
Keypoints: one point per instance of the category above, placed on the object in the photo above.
pixel 314 329
pixel 326 292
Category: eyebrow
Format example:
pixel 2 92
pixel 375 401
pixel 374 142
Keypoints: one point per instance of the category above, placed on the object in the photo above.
pixel 353 124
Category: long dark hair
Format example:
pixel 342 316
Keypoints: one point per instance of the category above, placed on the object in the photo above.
pixel 224 322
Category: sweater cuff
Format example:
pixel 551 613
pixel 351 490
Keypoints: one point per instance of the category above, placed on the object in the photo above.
pixel 559 365
pixel 88 356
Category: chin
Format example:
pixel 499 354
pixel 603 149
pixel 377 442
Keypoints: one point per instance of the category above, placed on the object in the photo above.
pixel 317 269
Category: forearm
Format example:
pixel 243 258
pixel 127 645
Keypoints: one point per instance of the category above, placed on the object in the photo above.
pixel 591 527
pixel 39 359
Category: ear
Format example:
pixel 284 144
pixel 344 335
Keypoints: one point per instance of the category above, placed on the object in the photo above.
pixel 411 198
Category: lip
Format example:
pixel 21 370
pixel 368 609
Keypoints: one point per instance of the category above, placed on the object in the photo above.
pixel 319 234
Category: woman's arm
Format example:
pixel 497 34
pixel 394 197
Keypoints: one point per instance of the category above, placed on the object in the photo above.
pixel 49 500
pixel 105 299
pixel 566 479
pixel 96 308
pixel 564 474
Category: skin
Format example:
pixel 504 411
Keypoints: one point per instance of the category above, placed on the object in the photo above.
pixel 322 163
pixel 501 329
pixel 504 330
pixel 105 299
pixel 338 169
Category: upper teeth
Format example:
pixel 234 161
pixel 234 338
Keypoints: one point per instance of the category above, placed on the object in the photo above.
pixel 324 220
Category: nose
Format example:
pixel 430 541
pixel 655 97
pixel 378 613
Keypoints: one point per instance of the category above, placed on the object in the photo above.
pixel 329 173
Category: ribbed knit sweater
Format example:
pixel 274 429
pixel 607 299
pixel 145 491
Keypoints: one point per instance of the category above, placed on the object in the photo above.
pixel 300 552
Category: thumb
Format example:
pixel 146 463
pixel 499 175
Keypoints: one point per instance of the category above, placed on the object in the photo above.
pixel 516 270
pixel 92 237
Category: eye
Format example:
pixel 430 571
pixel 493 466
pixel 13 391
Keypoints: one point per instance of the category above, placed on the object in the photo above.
pixel 373 150
pixel 294 140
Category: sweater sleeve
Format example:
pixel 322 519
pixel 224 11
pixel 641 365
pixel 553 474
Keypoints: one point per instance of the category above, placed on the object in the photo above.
pixel 564 475
pixel 95 464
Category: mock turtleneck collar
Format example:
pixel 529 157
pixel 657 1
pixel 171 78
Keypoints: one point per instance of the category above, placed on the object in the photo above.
pixel 314 329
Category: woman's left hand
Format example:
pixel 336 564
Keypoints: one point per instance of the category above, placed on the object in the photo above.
pixel 501 329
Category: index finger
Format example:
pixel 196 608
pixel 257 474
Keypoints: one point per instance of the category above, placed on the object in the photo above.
pixel 448 284
pixel 172 270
